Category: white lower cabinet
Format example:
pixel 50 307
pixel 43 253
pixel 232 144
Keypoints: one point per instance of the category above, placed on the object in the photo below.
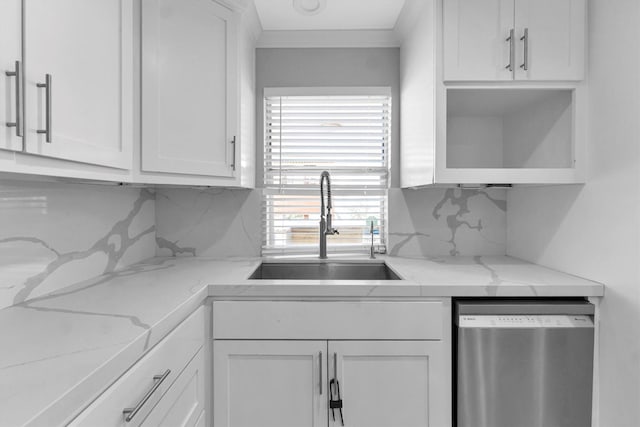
pixel 269 383
pixel 164 388
pixel 183 405
pixel 384 381
pixel 291 383
pixel 389 383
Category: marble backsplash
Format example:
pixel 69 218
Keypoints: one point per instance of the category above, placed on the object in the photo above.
pixel 53 235
pixel 422 223
pixel 208 223
pixel 447 221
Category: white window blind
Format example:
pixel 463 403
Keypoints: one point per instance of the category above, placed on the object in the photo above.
pixel 305 135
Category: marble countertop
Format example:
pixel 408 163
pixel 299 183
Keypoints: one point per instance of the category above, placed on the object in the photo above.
pixel 60 351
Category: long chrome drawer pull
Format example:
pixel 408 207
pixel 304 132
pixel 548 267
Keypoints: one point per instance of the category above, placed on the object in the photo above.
pixel 132 412
pixel 18 75
pixel 525 40
pixel 320 364
pixel 47 86
pixel 511 49
pixel 233 145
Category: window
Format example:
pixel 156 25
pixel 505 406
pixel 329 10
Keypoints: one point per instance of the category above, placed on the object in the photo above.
pixel 345 132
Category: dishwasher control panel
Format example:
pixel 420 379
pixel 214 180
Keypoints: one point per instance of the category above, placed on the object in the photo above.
pixel 524 321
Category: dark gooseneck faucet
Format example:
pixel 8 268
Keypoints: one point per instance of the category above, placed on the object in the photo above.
pixel 325 222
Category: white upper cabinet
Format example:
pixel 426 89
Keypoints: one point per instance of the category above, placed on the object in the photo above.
pixel 190 95
pixel 492 40
pixel 551 38
pixel 477 122
pixel 11 113
pixel 69 109
pixel 475 37
pixel 79 80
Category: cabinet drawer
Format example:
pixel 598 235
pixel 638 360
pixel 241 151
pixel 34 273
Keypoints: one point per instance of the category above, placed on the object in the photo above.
pixel 183 404
pixel 171 355
pixel 414 320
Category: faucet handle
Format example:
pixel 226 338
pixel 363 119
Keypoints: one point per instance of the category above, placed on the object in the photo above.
pixel 372 252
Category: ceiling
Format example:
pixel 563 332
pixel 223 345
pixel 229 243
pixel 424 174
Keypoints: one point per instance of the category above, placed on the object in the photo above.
pixel 279 15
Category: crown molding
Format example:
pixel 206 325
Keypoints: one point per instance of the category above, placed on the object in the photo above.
pixel 251 22
pixel 328 38
pixel 235 5
pixel 408 17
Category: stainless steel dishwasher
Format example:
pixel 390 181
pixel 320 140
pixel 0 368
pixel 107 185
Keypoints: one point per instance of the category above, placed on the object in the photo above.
pixel 523 363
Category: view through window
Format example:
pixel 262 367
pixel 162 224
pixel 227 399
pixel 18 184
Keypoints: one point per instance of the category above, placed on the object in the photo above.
pixel 347 135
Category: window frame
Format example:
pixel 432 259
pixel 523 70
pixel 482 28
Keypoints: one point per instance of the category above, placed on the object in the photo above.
pixel 382 235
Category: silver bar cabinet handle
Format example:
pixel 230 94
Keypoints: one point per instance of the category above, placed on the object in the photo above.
pixel 132 412
pixel 320 372
pixel 18 75
pixel 335 366
pixel 233 150
pixel 525 39
pixel 47 86
pixel 511 49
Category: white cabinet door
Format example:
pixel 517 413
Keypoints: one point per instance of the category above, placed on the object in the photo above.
pixel 183 404
pixel 391 383
pixel 269 383
pixel 86 48
pixel 189 87
pixel 554 46
pixel 548 41
pixel 475 39
pixel 10 52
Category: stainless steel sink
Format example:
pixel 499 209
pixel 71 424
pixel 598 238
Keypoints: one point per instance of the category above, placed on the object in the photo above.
pixel 324 271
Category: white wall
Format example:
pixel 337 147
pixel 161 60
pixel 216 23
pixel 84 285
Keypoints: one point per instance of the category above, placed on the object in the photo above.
pixel 594 230
pixel 332 67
